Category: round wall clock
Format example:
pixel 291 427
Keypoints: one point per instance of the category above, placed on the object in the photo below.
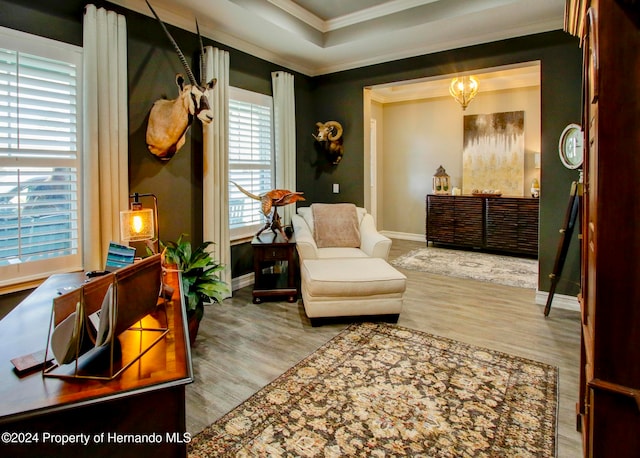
pixel 571 146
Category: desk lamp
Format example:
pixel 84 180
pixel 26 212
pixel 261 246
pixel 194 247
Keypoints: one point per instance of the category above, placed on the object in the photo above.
pixel 139 223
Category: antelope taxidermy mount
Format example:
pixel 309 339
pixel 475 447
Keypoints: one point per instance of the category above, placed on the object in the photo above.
pixel 329 137
pixel 169 120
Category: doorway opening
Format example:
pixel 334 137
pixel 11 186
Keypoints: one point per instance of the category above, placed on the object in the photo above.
pixel 412 127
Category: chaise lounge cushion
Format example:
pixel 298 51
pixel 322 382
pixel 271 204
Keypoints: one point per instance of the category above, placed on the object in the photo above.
pixel 346 278
pixel 351 287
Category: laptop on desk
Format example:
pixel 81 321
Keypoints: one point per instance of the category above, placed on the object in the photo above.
pixel 118 256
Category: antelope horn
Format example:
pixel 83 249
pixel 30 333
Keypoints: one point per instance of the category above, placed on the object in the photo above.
pixel 176 47
pixel 202 61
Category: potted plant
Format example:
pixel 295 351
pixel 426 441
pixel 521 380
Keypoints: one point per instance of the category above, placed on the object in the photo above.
pixel 200 279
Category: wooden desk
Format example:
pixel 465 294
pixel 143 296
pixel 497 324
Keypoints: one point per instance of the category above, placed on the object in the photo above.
pixel 274 267
pixel 146 402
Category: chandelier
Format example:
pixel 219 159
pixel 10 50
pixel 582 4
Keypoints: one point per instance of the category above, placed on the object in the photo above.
pixel 464 89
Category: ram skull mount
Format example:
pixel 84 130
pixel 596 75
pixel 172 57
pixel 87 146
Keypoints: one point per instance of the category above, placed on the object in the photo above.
pixel 169 120
pixel 329 138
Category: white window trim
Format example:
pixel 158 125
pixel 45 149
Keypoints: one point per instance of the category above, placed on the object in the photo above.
pixel 27 273
pixel 238 235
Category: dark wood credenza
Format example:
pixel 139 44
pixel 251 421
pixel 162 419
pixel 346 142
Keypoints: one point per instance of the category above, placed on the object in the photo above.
pixel 506 224
pixel 145 403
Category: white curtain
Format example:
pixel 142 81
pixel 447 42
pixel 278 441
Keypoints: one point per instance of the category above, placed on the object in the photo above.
pixel 284 108
pixel 216 161
pixel 105 132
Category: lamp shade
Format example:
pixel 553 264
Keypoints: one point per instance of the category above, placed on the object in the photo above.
pixel 137 225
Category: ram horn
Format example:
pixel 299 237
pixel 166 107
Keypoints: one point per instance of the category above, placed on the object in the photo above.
pixel 187 69
pixel 338 128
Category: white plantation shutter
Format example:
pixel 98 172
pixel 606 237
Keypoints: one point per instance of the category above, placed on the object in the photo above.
pixel 251 158
pixel 39 157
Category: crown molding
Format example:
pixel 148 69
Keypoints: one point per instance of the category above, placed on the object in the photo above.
pixel 302 48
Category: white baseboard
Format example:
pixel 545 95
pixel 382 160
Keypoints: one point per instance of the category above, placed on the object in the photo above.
pixel 242 281
pixel 405 236
pixel 560 301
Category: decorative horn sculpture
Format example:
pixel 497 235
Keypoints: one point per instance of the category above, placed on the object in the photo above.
pixel 169 120
pixel 271 201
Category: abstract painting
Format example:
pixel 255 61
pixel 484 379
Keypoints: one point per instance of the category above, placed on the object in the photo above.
pixel 493 153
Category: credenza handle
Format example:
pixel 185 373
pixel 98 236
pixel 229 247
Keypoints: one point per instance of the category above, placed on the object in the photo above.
pixel 615 388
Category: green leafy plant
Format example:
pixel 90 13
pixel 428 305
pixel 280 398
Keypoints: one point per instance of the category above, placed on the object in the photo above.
pixel 200 274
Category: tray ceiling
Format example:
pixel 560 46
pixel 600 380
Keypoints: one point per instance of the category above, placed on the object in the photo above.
pixel 317 37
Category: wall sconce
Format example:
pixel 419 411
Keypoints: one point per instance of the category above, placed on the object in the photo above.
pixel 140 224
pixel 464 89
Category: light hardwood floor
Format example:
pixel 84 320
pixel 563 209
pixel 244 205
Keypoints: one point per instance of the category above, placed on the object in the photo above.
pixel 242 346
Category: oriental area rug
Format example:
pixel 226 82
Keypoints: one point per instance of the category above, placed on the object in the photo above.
pixel 383 390
pixel 487 267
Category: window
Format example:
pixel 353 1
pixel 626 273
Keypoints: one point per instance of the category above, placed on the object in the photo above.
pixel 251 158
pixel 40 100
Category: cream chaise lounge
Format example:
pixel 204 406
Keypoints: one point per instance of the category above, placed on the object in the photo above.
pixel 343 264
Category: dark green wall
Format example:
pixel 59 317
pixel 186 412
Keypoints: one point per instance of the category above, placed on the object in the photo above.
pixel 152 65
pixel 339 96
pixel 58 20
pixel 178 183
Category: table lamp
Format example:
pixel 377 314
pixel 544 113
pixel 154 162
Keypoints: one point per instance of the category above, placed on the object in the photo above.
pixel 138 223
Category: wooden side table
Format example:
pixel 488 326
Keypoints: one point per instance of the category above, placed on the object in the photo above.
pixel 274 267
